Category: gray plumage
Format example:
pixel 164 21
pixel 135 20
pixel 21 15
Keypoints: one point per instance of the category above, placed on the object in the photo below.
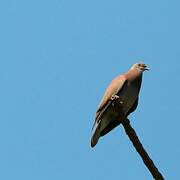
pixel 126 88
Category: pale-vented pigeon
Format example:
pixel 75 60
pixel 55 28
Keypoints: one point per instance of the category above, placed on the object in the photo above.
pixel 125 88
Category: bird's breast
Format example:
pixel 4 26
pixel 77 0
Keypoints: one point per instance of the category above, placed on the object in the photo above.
pixel 128 96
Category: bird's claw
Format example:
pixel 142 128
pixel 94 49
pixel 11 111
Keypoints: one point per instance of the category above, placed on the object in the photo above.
pixel 114 97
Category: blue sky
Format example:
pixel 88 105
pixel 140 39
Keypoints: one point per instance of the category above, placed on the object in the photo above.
pixel 57 57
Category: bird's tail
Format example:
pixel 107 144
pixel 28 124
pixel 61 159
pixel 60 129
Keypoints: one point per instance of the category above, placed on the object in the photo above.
pixel 95 135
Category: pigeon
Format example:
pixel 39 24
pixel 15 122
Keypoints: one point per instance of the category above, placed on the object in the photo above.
pixel 124 89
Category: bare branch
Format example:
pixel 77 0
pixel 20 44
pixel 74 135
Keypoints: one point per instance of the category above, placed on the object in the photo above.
pixel 140 149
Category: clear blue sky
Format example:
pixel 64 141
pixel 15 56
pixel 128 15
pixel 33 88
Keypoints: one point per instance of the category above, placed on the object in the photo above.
pixel 57 57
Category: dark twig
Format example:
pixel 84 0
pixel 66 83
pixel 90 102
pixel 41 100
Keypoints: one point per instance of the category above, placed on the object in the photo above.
pixel 140 149
pixel 116 106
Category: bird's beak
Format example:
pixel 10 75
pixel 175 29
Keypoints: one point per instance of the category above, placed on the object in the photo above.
pixel 146 69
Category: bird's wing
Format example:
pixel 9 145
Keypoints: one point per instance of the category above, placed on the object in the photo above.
pixel 115 123
pixel 114 87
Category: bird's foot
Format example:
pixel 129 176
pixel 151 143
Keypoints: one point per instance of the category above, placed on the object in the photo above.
pixel 114 97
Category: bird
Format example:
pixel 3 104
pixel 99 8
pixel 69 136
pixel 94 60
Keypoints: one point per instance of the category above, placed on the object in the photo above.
pixel 123 89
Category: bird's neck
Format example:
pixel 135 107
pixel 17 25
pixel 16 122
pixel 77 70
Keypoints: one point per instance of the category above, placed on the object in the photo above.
pixel 137 81
pixel 133 74
pixel 135 77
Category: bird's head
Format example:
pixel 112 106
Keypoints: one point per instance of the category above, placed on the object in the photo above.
pixel 140 67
